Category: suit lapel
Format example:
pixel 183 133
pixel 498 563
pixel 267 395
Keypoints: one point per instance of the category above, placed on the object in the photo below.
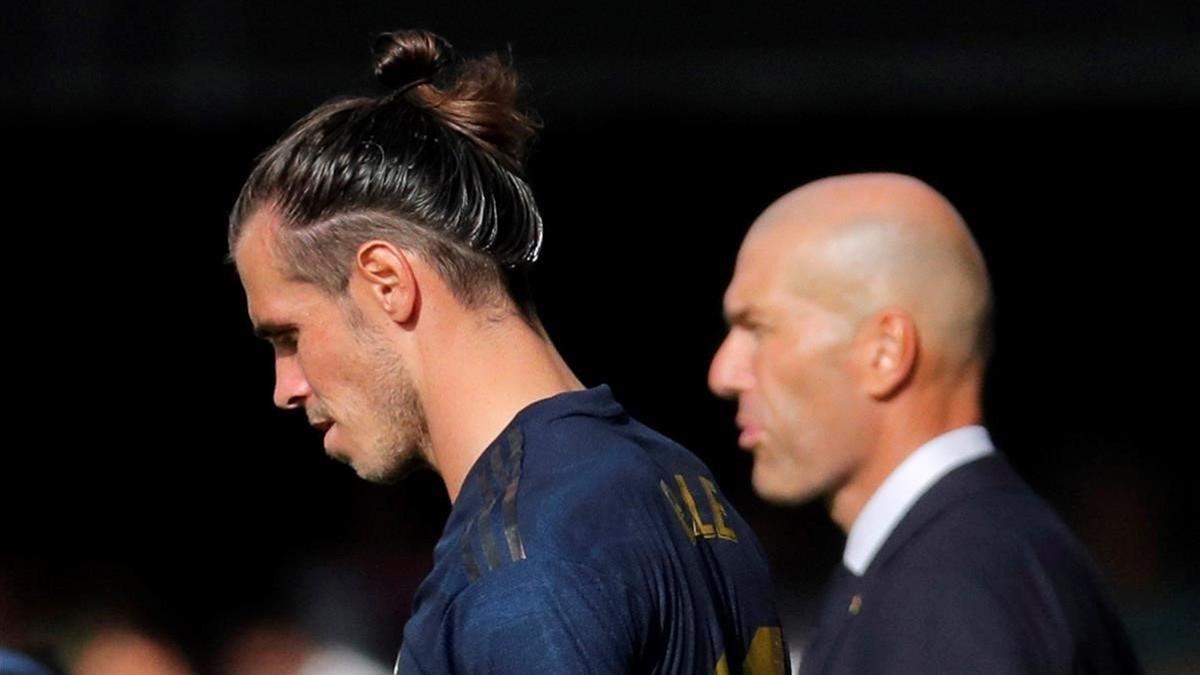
pixel 843 585
pixel 837 613
pixel 987 473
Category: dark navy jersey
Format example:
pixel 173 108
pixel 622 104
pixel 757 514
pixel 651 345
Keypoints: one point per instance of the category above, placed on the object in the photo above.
pixel 584 542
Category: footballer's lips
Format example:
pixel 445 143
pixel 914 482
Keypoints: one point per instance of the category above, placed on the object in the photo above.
pixel 326 426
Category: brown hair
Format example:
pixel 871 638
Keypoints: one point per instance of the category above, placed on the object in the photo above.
pixel 435 166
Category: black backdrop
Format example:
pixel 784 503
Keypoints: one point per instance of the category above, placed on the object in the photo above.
pixel 148 472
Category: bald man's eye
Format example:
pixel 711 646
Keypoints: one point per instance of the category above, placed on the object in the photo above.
pixel 754 329
pixel 284 344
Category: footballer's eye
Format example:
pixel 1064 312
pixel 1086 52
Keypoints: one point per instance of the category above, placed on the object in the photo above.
pixel 283 339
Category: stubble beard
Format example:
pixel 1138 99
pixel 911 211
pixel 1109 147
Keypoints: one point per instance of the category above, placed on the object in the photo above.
pixel 402 444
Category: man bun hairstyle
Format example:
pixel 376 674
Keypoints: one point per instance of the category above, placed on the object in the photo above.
pixel 435 166
pixel 406 58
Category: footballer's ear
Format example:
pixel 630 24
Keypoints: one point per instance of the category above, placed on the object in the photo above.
pixel 387 274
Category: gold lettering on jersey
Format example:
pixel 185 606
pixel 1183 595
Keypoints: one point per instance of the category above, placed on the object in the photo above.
pixel 693 522
pixel 718 511
pixel 764 657
pixel 699 527
pixel 687 528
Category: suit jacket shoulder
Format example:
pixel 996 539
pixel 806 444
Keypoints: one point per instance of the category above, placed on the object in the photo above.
pixel 979 576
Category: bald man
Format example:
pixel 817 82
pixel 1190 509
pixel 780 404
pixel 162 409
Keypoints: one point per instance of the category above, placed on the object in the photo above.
pixel 859 333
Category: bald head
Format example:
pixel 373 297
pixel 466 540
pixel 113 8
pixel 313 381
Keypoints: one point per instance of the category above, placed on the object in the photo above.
pixel 858 314
pixel 861 243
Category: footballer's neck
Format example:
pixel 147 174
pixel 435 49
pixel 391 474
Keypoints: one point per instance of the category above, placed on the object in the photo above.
pixel 483 370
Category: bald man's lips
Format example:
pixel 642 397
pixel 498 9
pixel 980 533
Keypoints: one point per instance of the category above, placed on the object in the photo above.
pixel 750 435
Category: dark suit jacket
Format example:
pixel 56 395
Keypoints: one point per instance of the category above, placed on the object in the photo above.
pixel 979 577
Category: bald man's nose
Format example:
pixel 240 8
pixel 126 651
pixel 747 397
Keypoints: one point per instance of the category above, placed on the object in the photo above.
pixel 729 374
pixel 291 386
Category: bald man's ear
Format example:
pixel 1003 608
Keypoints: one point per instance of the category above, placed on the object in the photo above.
pixel 888 348
pixel 385 273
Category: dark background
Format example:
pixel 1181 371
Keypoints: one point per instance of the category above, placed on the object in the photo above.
pixel 147 476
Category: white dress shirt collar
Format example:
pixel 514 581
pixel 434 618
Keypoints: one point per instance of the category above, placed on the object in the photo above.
pixel 896 495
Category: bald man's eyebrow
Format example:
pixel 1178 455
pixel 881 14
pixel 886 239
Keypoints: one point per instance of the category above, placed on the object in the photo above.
pixel 272 331
pixel 741 316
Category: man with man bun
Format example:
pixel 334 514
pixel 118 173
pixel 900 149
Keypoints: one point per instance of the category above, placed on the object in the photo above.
pixel 383 245
pixel 859 316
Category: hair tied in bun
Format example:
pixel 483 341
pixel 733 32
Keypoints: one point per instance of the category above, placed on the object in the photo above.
pixel 409 58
